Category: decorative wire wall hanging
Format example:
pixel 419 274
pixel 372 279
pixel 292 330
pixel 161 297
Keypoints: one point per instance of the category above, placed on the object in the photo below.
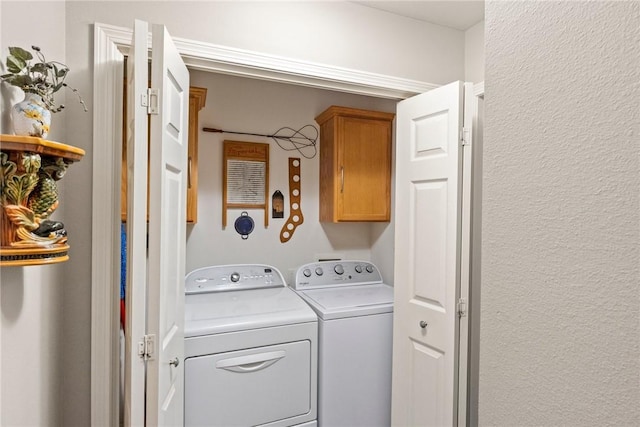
pixel 302 140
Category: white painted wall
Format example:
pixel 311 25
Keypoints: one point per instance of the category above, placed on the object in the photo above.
pixel 337 33
pixel 31 298
pixel 255 106
pixel 561 215
pixel 474 53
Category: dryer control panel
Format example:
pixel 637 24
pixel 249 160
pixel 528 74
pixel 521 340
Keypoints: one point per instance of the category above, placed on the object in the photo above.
pixel 220 278
pixel 324 274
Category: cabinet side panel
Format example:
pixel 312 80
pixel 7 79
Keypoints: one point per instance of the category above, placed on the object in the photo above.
pixel 327 171
pixel 192 162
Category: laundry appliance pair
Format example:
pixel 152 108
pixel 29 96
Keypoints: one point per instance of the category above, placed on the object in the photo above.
pixel 258 352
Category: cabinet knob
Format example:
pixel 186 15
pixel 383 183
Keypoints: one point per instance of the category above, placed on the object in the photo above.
pixel 423 324
pixel 175 362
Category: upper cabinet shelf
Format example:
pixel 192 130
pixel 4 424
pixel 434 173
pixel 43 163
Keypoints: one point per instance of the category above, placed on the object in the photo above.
pixel 30 167
pixel 355 165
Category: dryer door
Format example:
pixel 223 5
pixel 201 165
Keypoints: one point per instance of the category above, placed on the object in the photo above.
pixel 257 386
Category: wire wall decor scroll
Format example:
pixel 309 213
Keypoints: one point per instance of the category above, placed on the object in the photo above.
pixel 302 140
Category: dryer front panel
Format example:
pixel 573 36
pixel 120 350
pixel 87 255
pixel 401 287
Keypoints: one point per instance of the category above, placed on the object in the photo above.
pixel 264 385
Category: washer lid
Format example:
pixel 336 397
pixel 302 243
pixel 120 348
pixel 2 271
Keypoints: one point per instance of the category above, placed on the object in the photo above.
pixel 218 312
pixel 350 301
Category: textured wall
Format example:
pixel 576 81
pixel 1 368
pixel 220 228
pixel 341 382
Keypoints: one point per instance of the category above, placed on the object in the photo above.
pixel 561 215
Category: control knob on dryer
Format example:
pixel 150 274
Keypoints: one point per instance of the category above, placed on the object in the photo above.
pixel 339 269
pixel 306 272
pixel 369 268
pixel 319 271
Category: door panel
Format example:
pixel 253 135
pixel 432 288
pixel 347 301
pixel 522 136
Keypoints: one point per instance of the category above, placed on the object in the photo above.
pixel 358 160
pixel 426 363
pixel 167 232
pixel 135 328
pixel 427 258
pixel 429 235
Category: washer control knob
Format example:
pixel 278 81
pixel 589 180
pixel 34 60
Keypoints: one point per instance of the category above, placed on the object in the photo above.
pixel 358 268
pixel 306 272
pixel 339 269
pixel 235 276
pixel 319 271
pixel 369 268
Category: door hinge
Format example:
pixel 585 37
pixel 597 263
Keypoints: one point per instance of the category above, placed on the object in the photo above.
pixel 150 100
pixel 147 347
pixel 465 136
pixel 462 307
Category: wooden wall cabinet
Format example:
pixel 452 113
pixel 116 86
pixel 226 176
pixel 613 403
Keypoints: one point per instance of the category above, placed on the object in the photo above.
pixel 197 100
pixel 355 165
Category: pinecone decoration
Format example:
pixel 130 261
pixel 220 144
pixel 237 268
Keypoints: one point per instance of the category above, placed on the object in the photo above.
pixel 44 198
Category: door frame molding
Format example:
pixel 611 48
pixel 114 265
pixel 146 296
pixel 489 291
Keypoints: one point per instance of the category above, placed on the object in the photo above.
pixel 111 43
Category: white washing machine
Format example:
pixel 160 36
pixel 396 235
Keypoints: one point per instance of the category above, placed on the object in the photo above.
pixel 250 349
pixel 355 311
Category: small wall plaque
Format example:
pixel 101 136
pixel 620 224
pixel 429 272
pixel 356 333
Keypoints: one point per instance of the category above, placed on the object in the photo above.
pixel 277 205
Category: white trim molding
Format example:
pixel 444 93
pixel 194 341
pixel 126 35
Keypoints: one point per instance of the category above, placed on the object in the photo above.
pixel 204 56
pixel 105 230
pixel 111 43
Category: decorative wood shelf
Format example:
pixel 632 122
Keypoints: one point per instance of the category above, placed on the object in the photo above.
pixel 29 167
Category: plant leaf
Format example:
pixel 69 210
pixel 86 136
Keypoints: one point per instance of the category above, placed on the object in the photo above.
pixel 15 65
pixel 39 68
pixel 20 53
pixel 21 81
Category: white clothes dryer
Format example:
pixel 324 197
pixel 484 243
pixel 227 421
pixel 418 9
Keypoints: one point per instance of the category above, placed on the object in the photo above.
pixel 250 349
pixel 355 311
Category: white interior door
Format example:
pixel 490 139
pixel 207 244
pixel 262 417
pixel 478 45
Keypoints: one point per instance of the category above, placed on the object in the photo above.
pixel 155 273
pixel 167 231
pixel 137 78
pixel 427 258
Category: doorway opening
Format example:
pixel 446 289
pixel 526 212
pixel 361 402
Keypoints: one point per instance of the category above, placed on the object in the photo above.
pixel 111 45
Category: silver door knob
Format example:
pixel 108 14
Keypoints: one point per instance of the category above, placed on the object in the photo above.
pixel 423 324
pixel 175 362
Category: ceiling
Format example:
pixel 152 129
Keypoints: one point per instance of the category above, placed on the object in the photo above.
pixel 460 15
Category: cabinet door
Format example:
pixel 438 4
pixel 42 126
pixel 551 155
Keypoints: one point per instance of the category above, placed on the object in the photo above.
pixel 364 162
